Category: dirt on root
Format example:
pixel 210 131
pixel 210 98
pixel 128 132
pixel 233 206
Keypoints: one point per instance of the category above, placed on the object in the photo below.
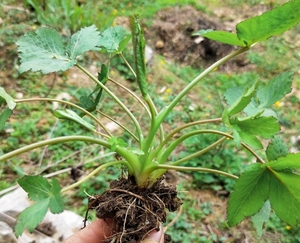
pixel 135 211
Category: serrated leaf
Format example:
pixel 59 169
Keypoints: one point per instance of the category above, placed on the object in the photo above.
pixel 43 51
pixel 31 217
pixel 6 98
pixel 270 23
pixel 113 39
pixel 72 116
pixel 261 218
pixel 84 40
pixel 264 127
pixel 250 139
pixel 289 162
pixel 4 116
pixel 138 41
pixel 275 89
pixel 242 101
pixel 249 195
pixel 285 196
pixel 276 148
pixel 222 36
pixel 46 194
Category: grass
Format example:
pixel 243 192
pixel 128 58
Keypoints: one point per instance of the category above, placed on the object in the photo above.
pixel 166 78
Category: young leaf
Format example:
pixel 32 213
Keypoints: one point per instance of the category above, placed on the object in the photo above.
pixel 261 218
pixel 114 142
pixel 222 36
pixel 46 195
pixel 249 195
pixel 276 148
pixel 285 196
pixel 84 40
pixel 4 116
pixel 71 115
pixel 270 23
pixel 31 217
pixel 43 51
pixel 139 54
pixel 275 89
pixel 6 98
pixel 113 39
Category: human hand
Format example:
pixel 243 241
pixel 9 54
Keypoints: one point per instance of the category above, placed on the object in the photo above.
pixel 99 230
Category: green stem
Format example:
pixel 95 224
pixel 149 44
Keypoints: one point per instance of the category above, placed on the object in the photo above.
pixel 94 172
pixel 199 169
pixel 120 103
pixel 73 105
pixel 128 65
pixel 118 123
pixel 132 94
pixel 199 153
pixel 174 144
pixel 53 141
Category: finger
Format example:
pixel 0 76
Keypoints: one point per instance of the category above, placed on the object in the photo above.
pixel 155 236
pixel 96 232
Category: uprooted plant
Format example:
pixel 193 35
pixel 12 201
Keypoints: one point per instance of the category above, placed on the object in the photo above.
pixel 140 198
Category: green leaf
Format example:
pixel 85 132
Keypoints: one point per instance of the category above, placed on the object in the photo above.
pixel 289 162
pixel 84 40
pixel 242 101
pixel 71 115
pixel 250 139
pixel 222 36
pixel 249 195
pixel 43 51
pixel 270 23
pixel 285 196
pixel 31 217
pixel 275 89
pixel 114 142
pixel 46 195
pixel 113 39
pixel 261 218
pixel 4 116
pixel 264 127
pixel 276 148
pixel 138 41
pixel 6 98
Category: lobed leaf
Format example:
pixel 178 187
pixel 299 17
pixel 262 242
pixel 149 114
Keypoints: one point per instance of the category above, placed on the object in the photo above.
pixel 43 51
pixel 270 23
pixel 276 148
pixel 275 89
pixel 250 193
pixel 84 40
pixel 31 217
pixel 113 39
pixel 289 162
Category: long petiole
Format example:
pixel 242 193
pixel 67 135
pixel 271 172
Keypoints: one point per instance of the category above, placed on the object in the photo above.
pixel 128 65
pixel 94 172
pixel 119 102
pixel 199 153
pixel 199 169
pixel 73 105
pixel 118 123
pixel 132 94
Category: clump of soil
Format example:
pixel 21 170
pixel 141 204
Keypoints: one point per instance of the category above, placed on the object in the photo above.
pixel 171 34
pixel 134 211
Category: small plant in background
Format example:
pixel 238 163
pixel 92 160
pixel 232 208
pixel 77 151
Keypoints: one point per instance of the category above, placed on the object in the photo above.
pixel 145 153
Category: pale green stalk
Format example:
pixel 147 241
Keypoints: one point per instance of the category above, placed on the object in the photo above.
pixel 199 153
pixel 73 105
pixel 114 97
pixel 199 169
pixel 128 65
pixel 164 112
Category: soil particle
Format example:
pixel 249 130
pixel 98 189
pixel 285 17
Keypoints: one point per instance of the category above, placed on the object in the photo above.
pixel 134 211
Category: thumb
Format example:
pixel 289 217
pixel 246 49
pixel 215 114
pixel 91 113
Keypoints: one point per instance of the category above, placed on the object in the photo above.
pixel 155 236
